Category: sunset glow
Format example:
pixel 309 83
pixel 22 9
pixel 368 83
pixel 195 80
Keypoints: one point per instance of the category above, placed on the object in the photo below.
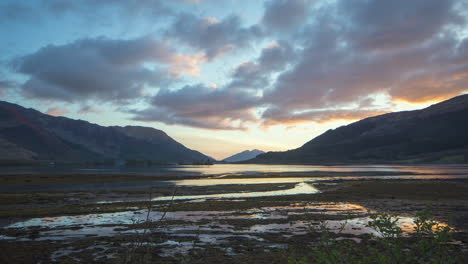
pixel 225 76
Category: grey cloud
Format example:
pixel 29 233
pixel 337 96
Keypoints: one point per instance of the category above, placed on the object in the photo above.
pixel 5 85
pixel 256 74
pixel 375 24
pixel 129 8
pixel 34 11
pixel 212 36
pixel 276 56
pixel 282 15
pixel 15 11
pixel 344 58
pixel 101 69
pixel 336 67
pixel 87 109
pixel 337 76
pixel 343 51
pixel 131 51
pixel 201 106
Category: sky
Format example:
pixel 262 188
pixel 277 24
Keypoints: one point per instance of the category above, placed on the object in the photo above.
pixel 223 76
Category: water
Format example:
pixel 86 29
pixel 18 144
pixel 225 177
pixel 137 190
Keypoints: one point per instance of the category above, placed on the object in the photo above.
pixel 216 175
pixel 111 224
pixel 275 180
pixel 300 188
pixel 259 168
pixel 234 168
pixel 137 216
pixel 181 229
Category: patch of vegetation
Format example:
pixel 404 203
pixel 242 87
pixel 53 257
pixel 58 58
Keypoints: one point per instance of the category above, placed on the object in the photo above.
pixel 430 243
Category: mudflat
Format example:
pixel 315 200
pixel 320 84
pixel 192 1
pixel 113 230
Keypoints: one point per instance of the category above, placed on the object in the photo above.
pixel 116 224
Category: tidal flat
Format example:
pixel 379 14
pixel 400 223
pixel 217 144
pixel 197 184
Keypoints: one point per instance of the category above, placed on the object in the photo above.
pixel 213 218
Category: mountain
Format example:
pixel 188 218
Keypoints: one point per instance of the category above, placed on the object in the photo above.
pixel 29 135
pixel 244 155
pixel 437 134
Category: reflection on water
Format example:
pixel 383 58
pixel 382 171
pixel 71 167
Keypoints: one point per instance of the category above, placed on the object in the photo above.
pixel 256 168
pixel 354 226
pixel 130 217
pixel 259 168
pixel 111 224
pixel 300 188
pixel 220 228
pixel 240 181
pixel 216 175
pixel 213 182
pixel 217 169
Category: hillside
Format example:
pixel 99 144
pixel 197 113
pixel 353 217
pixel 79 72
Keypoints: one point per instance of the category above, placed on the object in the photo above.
pixel 434 134
pixel 29 135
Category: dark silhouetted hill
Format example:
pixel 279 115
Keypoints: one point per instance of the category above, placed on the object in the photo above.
pixel 29 135
pixel 437 134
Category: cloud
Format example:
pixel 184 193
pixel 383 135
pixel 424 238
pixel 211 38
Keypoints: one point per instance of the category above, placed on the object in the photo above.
pixel 375 24
pixel 87 109
pixel 274 116
pixel 103 69
pixel 213 37
pixel 192 1
pixel 342 62
pixel 6 85
pixel 343 54
pixel 88 10
pixel 186 64
pixel 57 111
pixel 282 15
pixel 440 85
pixel 202 107
pixel 326 60
pixel 16 11
pixel 256 74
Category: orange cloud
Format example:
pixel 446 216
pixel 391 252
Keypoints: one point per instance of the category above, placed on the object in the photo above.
pixel 321 117
pixel 186 64
pixel 57 111
pixel 431 89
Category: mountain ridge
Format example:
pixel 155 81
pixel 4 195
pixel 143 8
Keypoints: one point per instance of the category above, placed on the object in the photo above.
pixel 433 134
pixel 35 136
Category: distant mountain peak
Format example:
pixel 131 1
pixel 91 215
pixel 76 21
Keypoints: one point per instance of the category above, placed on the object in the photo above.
pixel 244 155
